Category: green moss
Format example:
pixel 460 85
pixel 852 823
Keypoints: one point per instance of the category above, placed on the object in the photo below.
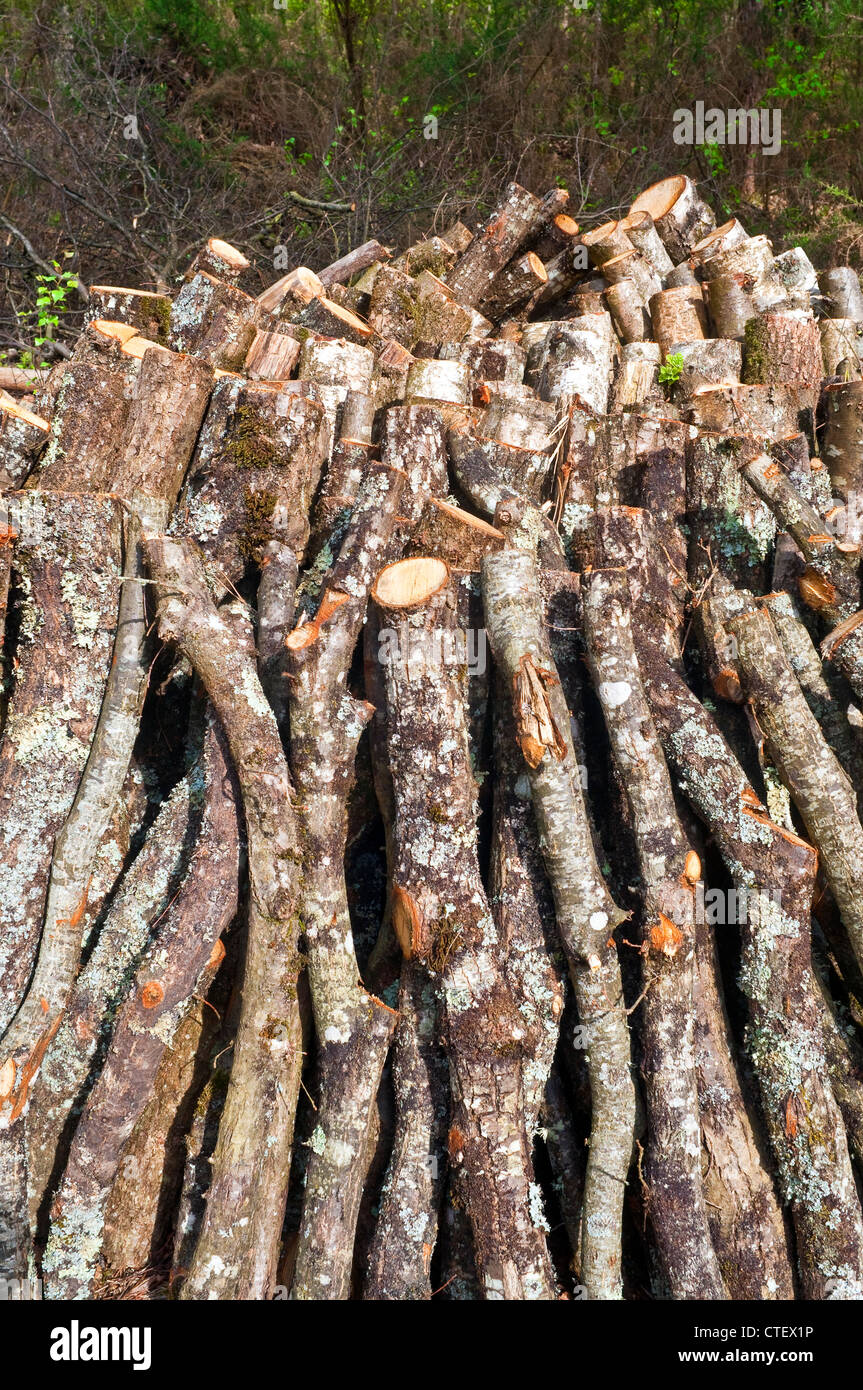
pixel 157 311
pixel 248 445
pixel 754 361
pixel 259 508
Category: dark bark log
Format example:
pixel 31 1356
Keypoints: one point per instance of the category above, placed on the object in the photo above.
pixel 359 259
pixel 830 583
pixel 176 966
pixel 407 1225
pixel 843 438
pixel 255 469
pixel 149 314
pixel 88 426
pixel 808 767
pixel 23 435
pixel 524 277
pixel 442 917
pixel 514 220
pixel 783 349
pixel 237 1253
pixel 731 529
pixel 764 412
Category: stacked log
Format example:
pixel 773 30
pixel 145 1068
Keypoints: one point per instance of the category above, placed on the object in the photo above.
pixel 422 684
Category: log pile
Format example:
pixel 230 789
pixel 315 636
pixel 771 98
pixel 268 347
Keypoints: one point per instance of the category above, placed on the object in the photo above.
pixel 431 767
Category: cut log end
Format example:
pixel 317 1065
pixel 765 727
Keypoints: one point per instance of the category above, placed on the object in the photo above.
pixel 409 583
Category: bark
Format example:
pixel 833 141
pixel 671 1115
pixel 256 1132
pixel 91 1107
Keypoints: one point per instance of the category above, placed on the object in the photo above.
pixel 431 380
pixel 523 422
pixel 88 426
pixel 487 470
pixel 353 1027
pixel 731 233
pixel 23 435
pixel 641 230
pixel 292 292
pixel 256 465
pixel 840 342
pixel 843 438
pixel 682 218
pixel 579 362
pixel 454 535
pixel 557 235
pixel 514 285
pixel 327 318
pixel 830 583
pixel 98 790
pixel 730 306
pixel 628 310
pixel 406 1230
pixel 414 442
pixel 442 917
pixel 149 314
pixel 175 966
pixel 780 348
pixel 214 320
pixel 775 870
pixel 676 1196
pixel 731 528
pixel 637 375
pixel 355 261
pixel 237 1252
pixel 751 258
pixel 678 316
pixel 515 219
pixel 818 785
pixel 743 1211
pixel 710 362
pixel 586 914
pixel 841 296
pixel 272 356
pixel 605 242
pixel 219 259
pixel 77 1049
pixel 632 265
pixel 764 412
pixel 433 253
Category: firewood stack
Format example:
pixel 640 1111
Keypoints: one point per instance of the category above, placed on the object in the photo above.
pixel 407 672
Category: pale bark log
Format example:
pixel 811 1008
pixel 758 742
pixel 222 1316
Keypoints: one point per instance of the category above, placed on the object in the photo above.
pixel 676 1202
pixel 214 320
pixel 586 913
pixel 353 1027
pixel 682 218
